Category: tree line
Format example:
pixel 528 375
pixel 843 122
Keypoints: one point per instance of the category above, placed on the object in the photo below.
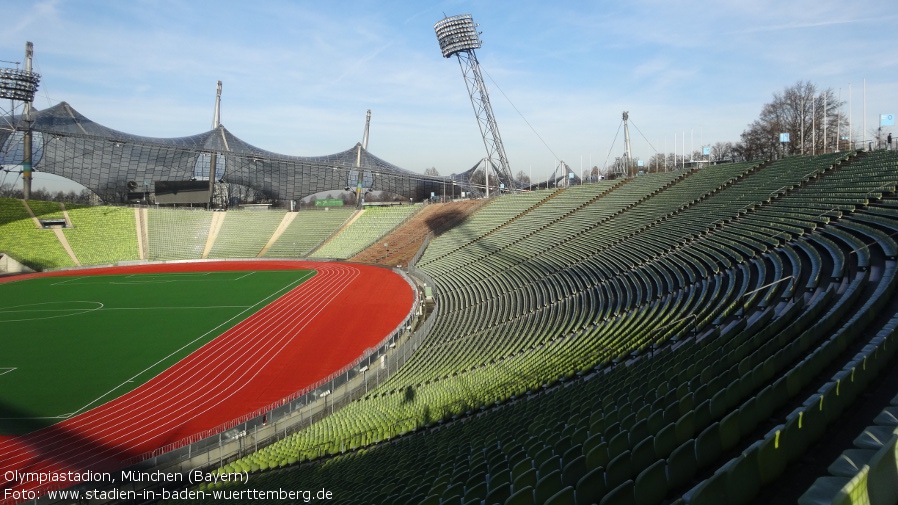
pixel 8 190
pixel 801 119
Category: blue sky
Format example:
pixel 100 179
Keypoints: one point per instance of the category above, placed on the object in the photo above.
pixel 298 76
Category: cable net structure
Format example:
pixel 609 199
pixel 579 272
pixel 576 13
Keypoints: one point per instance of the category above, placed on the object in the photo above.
pixel 113 164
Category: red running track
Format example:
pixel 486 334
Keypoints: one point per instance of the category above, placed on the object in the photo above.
pixel 312 331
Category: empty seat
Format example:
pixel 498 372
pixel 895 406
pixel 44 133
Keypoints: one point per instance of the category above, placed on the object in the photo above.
pixel 591 487
pixel 651 484
pixel 522 496
pixel 620 495
pixel 681 465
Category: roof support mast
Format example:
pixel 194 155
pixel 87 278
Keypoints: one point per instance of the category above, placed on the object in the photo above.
pixel 626 118
pixel 629 153
pixel 358 161
pixel 213 157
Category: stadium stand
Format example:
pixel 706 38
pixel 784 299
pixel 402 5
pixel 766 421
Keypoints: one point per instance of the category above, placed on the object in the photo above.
pixel 372 224
pixel 244 233
pixel 21 239
pixel 177 234
pixel 632 337
pixel 307 231
pixel 102 235
pixel 404 242
pixel 679 337
pixel 46 210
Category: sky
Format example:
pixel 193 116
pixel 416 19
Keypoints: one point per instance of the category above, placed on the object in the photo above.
pixel 298 76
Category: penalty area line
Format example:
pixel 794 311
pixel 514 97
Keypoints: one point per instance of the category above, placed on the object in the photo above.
pixel 6 369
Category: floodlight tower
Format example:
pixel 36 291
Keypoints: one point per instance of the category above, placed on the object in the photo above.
pixel 20 86
pixel 458 36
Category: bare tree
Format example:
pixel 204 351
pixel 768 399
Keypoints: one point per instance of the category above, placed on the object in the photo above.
pixel 656 162
pixel 522 178
pixel 722 151
pixel 432 171
pixel 801 111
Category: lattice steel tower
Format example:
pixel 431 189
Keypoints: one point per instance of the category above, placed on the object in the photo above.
pixel 458 36
pixel 20 86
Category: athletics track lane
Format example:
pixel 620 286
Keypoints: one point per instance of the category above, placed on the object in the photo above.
pixel 300 338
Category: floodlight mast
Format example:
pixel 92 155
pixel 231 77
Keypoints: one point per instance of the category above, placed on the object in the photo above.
pixel 458 36
pixel 20 86
pixel 26 144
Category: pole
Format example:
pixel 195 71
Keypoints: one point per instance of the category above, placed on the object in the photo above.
pixel 824 120
pixel 864 124
pixel 801 134
pixel 839 123
pixel 26 141
pixel 486 174
pixel 213 160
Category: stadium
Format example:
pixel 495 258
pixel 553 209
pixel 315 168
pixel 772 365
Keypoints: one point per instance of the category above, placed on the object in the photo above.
pixel 709 334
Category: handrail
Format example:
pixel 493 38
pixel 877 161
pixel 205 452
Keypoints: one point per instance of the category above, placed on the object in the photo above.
pixel 262 412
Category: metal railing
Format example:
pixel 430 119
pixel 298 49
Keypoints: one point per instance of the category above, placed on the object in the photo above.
pixel 262 427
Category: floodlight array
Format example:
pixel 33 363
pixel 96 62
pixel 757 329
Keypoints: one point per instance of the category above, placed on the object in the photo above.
pixel 18 85
pixel 456 34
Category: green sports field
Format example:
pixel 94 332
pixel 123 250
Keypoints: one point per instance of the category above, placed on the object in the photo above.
pixel 72 343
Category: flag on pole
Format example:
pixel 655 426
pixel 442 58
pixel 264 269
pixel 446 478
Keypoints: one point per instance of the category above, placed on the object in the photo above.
pixel 886 120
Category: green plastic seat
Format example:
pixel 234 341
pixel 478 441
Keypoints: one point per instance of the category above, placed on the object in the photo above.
pixel 619 470
pixel 565 496
pixel 574 470
pixel 547 486
pixel 620 495
pixel 650 486
pixel 666 441
pixel 874 437
pixel 681 465
pixel 883 480
pixel 521 497
pixel 850 462
pixel 598 457
pixel 498 493
pixel 528 478
pixel 743 480
pixel 591 487
pixel 771 456
pixel 707 446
